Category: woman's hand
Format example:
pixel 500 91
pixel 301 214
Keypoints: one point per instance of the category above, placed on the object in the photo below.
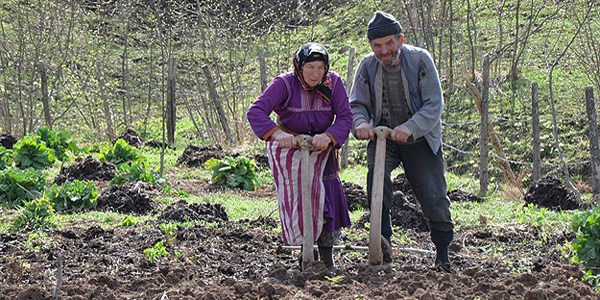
pixel 320 142
pixel 284 139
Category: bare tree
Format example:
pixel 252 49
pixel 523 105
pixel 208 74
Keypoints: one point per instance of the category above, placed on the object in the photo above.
pixel 551 64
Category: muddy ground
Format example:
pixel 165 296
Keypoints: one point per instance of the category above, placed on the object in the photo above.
pixel 245 260
pixel 224 259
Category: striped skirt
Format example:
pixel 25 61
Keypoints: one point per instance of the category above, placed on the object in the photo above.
pixel 287 173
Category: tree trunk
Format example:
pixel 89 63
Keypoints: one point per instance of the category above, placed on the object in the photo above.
pixel 263 70
pixel 216 99
pixel 593 136
pixel 345 147
pixel 483 130
pixel 110 132
pixel 535 114
pixel 45 97
pixel 171 108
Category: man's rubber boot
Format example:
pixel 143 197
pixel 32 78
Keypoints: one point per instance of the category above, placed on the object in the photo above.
pixel 315 254
pixel 388 252
pixel 441 240
pixel 326 256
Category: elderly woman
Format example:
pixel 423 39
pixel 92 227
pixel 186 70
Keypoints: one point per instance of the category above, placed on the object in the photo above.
pixel 310 100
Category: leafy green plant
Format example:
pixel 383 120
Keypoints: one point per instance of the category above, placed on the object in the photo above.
pixel 132 172
pixel 156 252
pixel 35 214
pixel 169 230
pixel 5 158
pixel 30 152
pixel 18 185
pixel 120 152
pixel 58 140
pixel 36 240
pixel 75 195
pixel 234 172
pixel 335 279
pixel 587 240
pixel 128 221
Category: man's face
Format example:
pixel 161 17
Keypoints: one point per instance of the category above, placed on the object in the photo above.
pixel 387 48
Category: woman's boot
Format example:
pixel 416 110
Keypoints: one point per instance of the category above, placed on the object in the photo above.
pixel 326 254
pixel 315 254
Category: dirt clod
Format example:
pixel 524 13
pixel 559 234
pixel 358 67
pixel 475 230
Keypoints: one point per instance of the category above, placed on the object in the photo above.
pixel 7 141
pixel 131 137
pixel 131 198
pixel 87 168
pixel 185 212
pixel 356 197
pixel 549 192
pixel 196 156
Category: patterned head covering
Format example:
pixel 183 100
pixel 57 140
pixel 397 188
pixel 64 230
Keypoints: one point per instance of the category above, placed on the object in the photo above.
pixel 314 52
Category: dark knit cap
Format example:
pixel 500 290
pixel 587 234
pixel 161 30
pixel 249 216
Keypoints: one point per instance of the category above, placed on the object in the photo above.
pixel 382 24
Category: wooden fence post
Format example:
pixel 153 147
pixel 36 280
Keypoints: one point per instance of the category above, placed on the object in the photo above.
pixel 171 108
pixel 593 136
pixel 535 123
pixel 344 152
pixel 483 129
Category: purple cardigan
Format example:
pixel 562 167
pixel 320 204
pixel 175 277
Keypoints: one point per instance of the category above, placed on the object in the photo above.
pixel 301 111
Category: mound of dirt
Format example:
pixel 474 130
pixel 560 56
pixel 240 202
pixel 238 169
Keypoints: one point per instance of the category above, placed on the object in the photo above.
pixel 406 212
pixel 158 144
pixel 87 168
pixel 400 183
pixel 132 198
pixel 7 141
pixel 356 197
pixel 262 160
pixel 549 192
pixel 184 212
pixel 131 137
pixel 462 196
pixel 196 156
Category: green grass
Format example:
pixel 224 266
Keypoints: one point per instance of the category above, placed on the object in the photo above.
pixel 103 219
pixel 500 212
pixel 237 205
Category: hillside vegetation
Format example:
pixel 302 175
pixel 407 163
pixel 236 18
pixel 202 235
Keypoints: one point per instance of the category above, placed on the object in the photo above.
pixel 97 68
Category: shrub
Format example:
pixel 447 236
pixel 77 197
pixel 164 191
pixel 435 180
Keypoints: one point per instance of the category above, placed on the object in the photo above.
pixel 30 152
pixel 76 195
pixel 35 214
pixel 5 158
pixel 233 172
pixel 57 140
pixel 132 172
pixel 17 186
pixel 120 152
pixel 587 240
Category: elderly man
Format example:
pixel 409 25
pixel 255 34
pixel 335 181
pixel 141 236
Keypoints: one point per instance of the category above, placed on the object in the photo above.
pixel 397 86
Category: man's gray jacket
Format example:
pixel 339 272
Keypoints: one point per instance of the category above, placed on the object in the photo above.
pixel 422 90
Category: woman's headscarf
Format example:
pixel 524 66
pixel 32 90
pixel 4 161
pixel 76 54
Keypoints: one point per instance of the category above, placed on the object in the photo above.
pixel 314 52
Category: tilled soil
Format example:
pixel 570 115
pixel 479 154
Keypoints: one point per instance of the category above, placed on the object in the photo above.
pixel 246 259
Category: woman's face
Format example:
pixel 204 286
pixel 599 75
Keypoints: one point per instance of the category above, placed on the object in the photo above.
pixel 313 72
